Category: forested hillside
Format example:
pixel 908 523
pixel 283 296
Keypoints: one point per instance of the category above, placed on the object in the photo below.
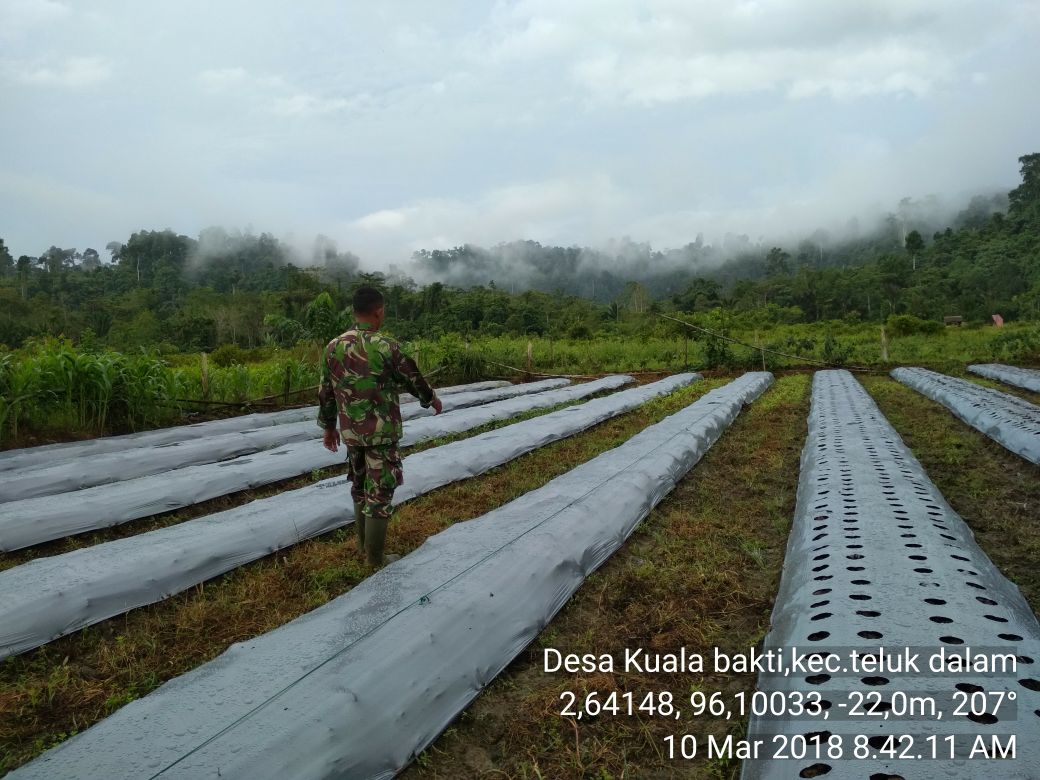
pixel 179 293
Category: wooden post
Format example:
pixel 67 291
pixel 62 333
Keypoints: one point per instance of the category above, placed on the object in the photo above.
pixel 761 351
pixel 686 350
pixel 884 345
pixel 530 357
pixel 288 383
pixel 204 376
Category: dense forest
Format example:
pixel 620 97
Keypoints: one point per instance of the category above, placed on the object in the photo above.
pixel 178 293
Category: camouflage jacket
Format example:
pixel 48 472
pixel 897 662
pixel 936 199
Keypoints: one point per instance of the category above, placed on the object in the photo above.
pixel 362 372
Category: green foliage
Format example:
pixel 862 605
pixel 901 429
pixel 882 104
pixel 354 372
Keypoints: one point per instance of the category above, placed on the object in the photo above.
pixel 52 387
pixel 283 330
pixel 914 243
pixel 908 325
pixel 82 332
pixel 1024 200
pixel 18 387
pixel 834 352
pixel 193 331
pixel 700 294
pixel 55 386
pixel 244 289
pixel 469 367
pixel 247 379
pixel 7 265
pixel 322 320
pixel 226 355
pixel 1016 345
pixel 717 354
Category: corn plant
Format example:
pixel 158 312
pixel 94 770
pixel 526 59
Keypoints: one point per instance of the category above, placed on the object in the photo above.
pixel 18 385
pixel 53 386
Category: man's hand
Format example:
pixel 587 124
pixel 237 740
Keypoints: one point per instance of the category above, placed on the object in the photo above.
pixel 331 440
pixel 438 407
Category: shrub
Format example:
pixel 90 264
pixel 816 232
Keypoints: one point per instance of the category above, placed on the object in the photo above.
pixel 226 355
pixel 717 353
pixel 834 351
pixel 908 325
pixel 1021 345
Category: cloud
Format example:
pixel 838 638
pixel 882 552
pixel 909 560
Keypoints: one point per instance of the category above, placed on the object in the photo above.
pixel 72 72
pixel 894 68
pixel 275 94
pixel 17 17
pixel 588 211
pixel 221 79
pixel 548 210
pixel 667 51
pixel 395 126
pixel 382 221
pixel 303 104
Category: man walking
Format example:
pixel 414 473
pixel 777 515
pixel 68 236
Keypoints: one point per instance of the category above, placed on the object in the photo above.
pixel 362 372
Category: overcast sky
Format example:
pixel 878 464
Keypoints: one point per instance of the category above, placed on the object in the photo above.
pixel 396 125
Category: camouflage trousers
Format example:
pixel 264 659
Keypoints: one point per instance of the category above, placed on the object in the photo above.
pixel 375 472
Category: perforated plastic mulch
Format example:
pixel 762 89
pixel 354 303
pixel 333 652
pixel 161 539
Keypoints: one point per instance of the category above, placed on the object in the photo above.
pixel 878 562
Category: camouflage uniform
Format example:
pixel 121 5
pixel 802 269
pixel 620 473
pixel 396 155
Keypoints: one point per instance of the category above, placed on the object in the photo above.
pixel 361 375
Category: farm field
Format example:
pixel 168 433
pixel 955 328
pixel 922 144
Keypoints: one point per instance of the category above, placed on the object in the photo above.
pixel 131 655
pixel 54 391
pixel 732 311
pixel 702 571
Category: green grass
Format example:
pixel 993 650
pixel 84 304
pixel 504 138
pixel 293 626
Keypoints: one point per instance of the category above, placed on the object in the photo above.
pixel 669 346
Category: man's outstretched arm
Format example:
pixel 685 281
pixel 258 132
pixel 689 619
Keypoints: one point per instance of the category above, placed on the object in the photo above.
pixel 410 376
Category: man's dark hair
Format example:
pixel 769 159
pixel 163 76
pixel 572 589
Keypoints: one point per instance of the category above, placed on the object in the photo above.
pixel 367 300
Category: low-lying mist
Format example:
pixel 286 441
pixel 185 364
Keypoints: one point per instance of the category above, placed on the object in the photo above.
pixel 600 272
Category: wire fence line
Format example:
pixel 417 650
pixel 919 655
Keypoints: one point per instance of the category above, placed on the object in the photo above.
pixel 764 349
pixel 272 400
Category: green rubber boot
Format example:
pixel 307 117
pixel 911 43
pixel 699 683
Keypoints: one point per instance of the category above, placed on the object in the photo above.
pixel 359 524
pixel 375 539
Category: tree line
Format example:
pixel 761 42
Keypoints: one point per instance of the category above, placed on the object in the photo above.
pixel 163 289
